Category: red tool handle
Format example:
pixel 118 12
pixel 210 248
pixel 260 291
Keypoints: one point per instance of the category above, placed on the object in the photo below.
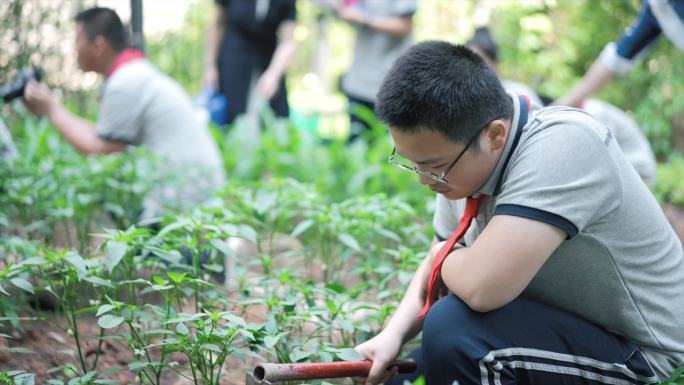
pixel 318 371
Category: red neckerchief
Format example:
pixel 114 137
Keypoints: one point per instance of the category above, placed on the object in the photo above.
pixel 126 56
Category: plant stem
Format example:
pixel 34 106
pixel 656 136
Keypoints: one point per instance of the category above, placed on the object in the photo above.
pixel 74 328
pixel 139 340
pixel 99 349
pixel 192 368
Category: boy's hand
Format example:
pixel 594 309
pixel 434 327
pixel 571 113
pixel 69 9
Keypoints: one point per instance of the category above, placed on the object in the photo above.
pixel 382 350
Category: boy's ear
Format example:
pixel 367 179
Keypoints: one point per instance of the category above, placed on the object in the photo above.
pixel 496 132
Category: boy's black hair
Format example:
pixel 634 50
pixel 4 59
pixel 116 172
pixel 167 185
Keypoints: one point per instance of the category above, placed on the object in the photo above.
pixel 444 87
pixel 103 22
pixel 483 41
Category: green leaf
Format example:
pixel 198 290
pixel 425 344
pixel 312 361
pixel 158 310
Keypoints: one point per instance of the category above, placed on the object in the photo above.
pixel 270 341
pixel 182 329
pixel 326 357
pixel 332 306
pixel 156 332
pixel 336 287
pixel 265 200
pixel 172 256
pixel 109 321
pixel 185 317
pixel 213 267
pixel 349 354
pixel 247 232
pixel 88 376
pixel 17 350
pixel 135 366
pixel 23 284
pixel 349 241
pixel 223 247
pixel 105 381
pixel 97 281
pixel 77 261
pixel 104 309
pixel 159 280
pixel 161 287
pixel 25 379
pixel 33 261
pixel 234 319
pixel 211 347
pixel 172 226
pixel 55 382
pixel 2 290
pixel 176 277
pixel 298 355
pixel 302 227
pixel 115 252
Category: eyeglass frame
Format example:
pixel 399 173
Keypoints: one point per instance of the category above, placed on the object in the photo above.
pixel 429 174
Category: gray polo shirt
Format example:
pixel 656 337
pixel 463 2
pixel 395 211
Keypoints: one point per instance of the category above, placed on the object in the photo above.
pixel 143 107
pixel 376 51
pixel 622 266
pixel 632 141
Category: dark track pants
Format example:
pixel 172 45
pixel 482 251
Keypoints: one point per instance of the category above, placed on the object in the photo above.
pixel 524 342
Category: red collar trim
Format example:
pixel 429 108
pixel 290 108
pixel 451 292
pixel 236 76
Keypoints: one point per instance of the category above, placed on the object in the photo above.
pixel 126 56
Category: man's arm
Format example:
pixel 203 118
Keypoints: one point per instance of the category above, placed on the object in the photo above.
pixel 269 81
pixel 598 76
pixel 77 131
pixel 399 26
pixel 214 37
pixel 617 58
pixel 501 263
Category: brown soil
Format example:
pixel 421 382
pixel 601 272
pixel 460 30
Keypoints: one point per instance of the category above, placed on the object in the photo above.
pixel 54 348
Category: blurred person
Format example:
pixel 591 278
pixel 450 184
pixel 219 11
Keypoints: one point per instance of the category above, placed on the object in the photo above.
pixel 7 148
pixel 562 269
pixel 139 106
pixel 631 139
pixel 656 18
pixel 384 30
pixel 249 46
pixel 629 136
pixel 483 44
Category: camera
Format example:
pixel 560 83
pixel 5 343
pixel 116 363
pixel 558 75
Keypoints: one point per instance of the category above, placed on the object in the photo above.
pixel 15 88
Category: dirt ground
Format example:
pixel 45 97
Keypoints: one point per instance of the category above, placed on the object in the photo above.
pixel 53 346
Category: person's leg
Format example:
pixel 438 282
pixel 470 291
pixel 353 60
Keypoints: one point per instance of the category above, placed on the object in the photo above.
pixel 357 124
pixel 279 103
pixel 235 75
pixel 525 342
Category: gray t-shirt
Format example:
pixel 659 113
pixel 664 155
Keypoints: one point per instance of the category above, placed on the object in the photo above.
pixel 143 107
pixel 632 141
pixel 622 266
pixel 376 51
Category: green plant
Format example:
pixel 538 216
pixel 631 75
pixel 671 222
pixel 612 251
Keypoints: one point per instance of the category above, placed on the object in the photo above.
pixel 669 187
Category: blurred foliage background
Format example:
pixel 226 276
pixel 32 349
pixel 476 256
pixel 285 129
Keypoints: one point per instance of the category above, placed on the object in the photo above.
pixel 547 44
